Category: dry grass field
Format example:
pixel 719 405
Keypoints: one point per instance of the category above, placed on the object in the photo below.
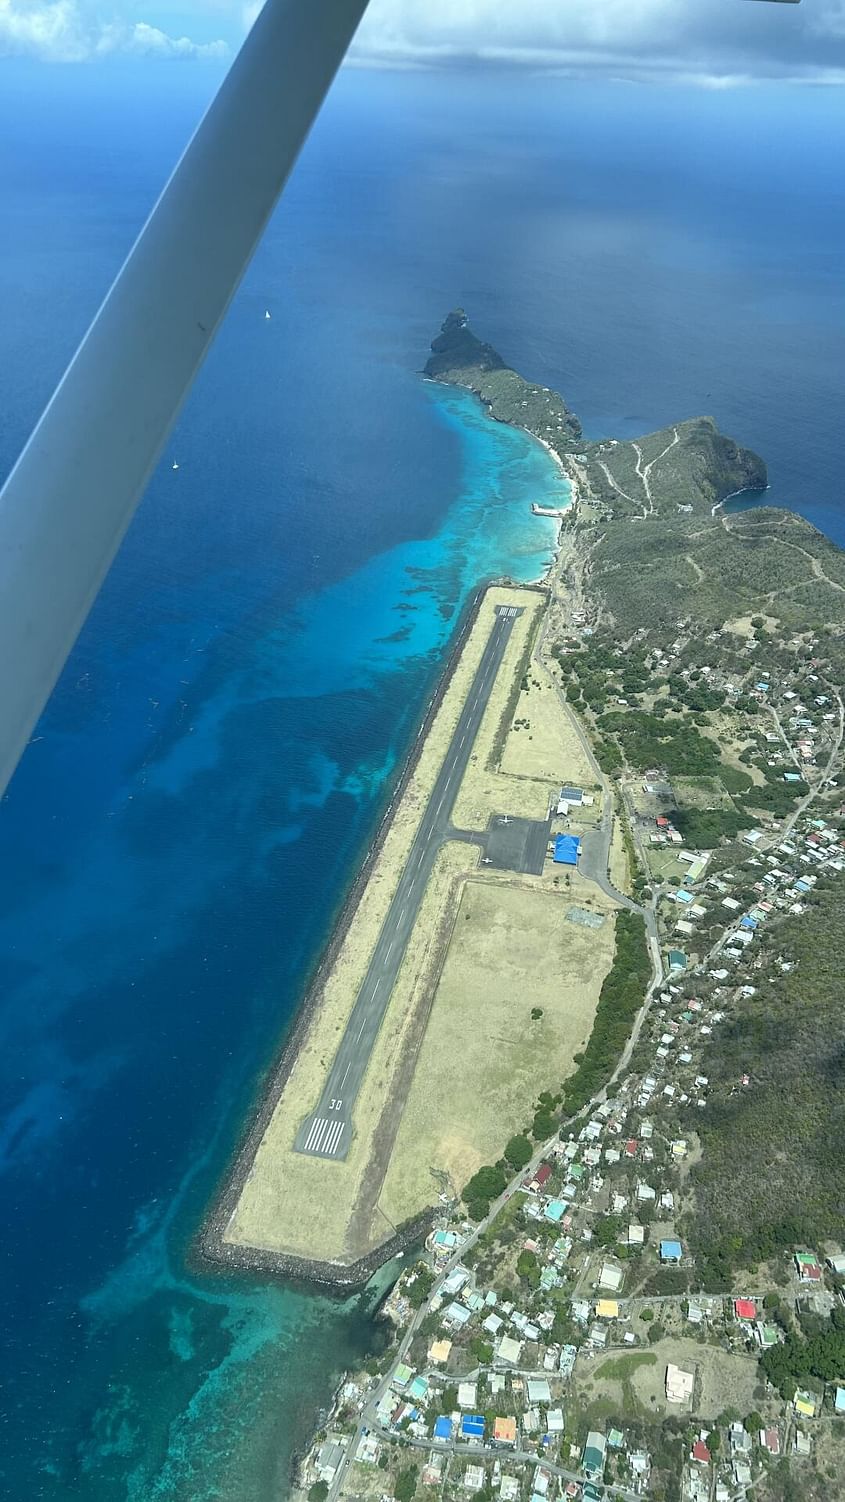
pixel 548 747
pixel 634 1382
pixel 484 1060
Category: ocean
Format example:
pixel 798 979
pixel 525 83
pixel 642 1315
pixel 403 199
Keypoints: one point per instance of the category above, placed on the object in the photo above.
pixel 214 761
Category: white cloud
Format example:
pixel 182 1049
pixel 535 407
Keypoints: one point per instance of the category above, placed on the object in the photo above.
pixel 69 31
pixel 715 43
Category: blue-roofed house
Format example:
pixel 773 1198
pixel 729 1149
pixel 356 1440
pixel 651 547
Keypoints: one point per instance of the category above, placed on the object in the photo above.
pixel 567 849
pixel 443 1428
pixel 671 1251
pixel 748 922
pixel 555 1210
pixel 472 1426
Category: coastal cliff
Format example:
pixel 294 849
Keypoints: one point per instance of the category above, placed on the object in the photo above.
pixel 698 465
pixel 459 358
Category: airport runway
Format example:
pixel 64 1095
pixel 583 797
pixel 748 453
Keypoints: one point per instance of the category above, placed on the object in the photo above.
pixel 327 1131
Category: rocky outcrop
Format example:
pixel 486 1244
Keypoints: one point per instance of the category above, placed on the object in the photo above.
pixel 459 358
pixel 689 465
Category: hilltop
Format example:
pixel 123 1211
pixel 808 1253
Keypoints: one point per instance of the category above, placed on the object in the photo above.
pixel 699 466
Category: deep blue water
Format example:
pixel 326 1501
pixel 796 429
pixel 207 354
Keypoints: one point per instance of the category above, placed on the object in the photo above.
pixel 177 839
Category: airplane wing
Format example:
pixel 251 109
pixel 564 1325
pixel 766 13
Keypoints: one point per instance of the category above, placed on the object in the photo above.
pixel 71 495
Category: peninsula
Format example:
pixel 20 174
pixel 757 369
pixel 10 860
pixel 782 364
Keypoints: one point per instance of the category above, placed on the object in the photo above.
pixel 580 1026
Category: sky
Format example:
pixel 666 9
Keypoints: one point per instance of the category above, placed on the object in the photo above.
pixel 711 43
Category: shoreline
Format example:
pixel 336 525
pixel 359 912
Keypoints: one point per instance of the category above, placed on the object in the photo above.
pixel 209 1251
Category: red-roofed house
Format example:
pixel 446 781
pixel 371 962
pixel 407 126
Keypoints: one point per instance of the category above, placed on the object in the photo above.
pixel 745 1309
pixel 543 1174
pixel 770 1440
pixel 631 1147
pixel 700 1452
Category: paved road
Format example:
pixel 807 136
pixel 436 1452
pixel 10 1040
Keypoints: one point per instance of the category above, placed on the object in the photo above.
pixel 327 1131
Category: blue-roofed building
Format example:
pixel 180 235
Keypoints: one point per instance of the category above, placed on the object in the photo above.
pixel 748 922
pixel 472 1426
pixel 555 1210
pixel 443 1428
pixel 671 1251
pixel 839 1400
pixel 567 849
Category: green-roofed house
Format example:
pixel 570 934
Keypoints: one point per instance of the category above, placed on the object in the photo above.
pixel 615 1439
pixel 595 1451
pixel 418 1389
pixel 402 1376
pixel 767 1335
pixel 677 960
pixel 576 1172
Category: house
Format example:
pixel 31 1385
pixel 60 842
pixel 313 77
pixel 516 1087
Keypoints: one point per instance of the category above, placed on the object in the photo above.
pixel 607 1309
pixel 745 1309
pixel 541 1176
pixel 509 1488
pixel 807 1267
pixel 539 1390
pixel 804 1403
pixel 472 1428
pixel 473 1478
pixel 767 1335
pixel 700 1453
pixel 432 1471
pixel 555 1210
pixel 611 1277
pixel 593 1458
pixel 554 1421
pixel 671 1251
pixel 508 1350
pixel 467 1394
pixel 770 1441
pixel 676 959
pixel 636 1235
pixel 839 1400
pixel 504 1431
pixel 567 848
pixel 837 1264
pixel 438 1352
pixel 456 1315
pixel 571 795
pixel 329 1457
pixel 443 1428
pixel 679 1384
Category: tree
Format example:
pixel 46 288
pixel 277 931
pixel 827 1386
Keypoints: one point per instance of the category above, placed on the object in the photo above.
pixel 406 1484
pixel 318 1492
pixel 518 1152
pixel 527 1268
pixel 543 1125
pixel 419 1290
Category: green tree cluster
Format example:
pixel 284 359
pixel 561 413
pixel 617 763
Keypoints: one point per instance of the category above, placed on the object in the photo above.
pixel 622 994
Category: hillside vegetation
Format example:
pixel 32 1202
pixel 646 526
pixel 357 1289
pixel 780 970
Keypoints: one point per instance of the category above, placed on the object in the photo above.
pixel 773 1168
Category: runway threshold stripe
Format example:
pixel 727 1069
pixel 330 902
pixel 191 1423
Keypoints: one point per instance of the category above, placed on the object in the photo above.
pixel 333 1138
pixel 312 1134
pixel 318 1142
